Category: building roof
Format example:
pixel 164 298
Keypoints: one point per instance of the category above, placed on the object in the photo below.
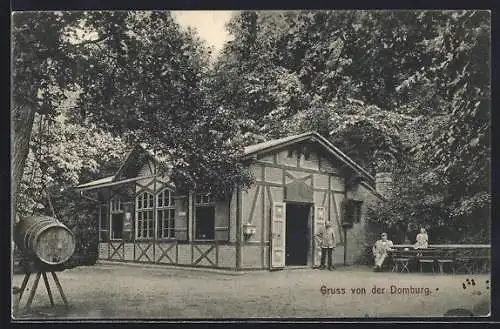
pixel 313 137
pixel 97 182
pixel 249 152
pixel 117 178
pixel 274 142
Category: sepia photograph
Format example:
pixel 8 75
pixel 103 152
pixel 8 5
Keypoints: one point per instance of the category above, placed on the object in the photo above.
pixel 257 165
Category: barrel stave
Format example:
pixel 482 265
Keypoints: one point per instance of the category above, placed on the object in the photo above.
pixel 45 238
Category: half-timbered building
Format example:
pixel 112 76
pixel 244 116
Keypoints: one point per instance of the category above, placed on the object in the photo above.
pixel 299 182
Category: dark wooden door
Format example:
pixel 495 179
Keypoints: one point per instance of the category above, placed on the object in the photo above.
pixel 297 234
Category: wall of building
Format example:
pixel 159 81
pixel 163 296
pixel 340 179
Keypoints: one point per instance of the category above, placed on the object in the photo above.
pixel 174 253
pixel 181 251
pixel 357 235
pixel 272 173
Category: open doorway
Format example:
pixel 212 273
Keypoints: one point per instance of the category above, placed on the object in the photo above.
pixel 297 234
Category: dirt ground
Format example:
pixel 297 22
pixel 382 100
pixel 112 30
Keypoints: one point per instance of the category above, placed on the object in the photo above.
pixel 106 291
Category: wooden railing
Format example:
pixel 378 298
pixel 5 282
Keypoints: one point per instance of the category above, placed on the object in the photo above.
pixel 448 246
pixel 469 258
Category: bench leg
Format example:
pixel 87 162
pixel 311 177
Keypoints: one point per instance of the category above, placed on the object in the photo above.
pixel 59 287
pixel 24 284
pixel 49 292
pixel 33 291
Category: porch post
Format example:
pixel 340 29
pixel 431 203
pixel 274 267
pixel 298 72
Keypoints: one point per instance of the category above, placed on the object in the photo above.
pixel 99 224
pixel 238 228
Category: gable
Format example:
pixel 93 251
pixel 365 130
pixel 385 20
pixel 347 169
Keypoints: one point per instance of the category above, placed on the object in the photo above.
pixel 313 151
pixel 135 162
pixel 304 155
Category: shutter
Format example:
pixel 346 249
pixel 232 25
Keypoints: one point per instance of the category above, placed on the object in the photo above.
pixel 181 218
pixel 348 212
pixel 128 221
pixel 222 220
pixel 278 229
pixel 319 222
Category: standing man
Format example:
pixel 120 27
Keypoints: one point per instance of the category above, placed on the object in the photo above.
pixel 326 240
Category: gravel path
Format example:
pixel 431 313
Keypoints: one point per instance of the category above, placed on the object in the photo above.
pixel 125 291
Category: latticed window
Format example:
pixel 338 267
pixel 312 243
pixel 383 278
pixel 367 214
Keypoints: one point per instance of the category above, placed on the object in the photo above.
pixel 204 199
pixel 352 211
pixel 116 204
pixel 165 214
pixel 145 216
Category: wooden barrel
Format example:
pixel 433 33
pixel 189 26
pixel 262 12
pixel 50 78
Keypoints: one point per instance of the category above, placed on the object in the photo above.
pixel 45 238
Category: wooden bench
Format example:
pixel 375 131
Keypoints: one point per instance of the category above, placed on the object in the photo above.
pixel 400 260
pixel 427 256
pixel 445 257
pixel 472 264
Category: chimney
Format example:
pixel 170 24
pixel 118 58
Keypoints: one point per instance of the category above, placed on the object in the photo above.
pixel 383 184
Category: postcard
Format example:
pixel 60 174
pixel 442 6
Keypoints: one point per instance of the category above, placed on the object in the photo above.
pixel 250 165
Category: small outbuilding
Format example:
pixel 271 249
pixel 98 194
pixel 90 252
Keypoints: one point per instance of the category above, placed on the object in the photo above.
pixel 299 182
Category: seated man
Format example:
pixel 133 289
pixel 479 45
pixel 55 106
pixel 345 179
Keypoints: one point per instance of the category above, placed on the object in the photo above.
pixel 380 250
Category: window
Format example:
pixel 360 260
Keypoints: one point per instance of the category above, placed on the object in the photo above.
pixel 116 204
pixel 204 217
pixel 352 211
pixel 290 153
pixel 306 153
pixel 145 216
pixel 104 218
pixel 165 215
pixel 116 218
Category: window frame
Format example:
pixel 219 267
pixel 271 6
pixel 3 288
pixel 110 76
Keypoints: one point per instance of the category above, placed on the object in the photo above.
pixel 353 210
pixel 140 209
pixel 114 210
pixel 165 209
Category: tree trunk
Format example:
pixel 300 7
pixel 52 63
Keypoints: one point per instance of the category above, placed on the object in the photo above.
pixel 22 124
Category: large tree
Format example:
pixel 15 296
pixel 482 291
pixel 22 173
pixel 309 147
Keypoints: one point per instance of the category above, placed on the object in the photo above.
pixel 137 75
pixel 378 84
pixel 41 68
pixel 145 77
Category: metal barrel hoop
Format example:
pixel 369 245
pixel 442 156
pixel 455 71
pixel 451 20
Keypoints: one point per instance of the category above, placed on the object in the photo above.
pixel 33 232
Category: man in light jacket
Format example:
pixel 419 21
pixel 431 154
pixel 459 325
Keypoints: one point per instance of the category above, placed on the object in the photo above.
pixel 326 240
pixel 380 251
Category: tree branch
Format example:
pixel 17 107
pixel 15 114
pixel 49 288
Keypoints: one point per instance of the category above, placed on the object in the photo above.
pixel 86 42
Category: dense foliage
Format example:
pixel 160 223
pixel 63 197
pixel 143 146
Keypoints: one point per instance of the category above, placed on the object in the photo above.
pixel 147 77
pixel 405 91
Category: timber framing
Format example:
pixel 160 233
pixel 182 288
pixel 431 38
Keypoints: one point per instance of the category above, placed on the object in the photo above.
pixel 312 172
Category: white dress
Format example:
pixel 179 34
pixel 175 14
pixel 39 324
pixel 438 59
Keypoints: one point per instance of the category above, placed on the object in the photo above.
pixel 422 241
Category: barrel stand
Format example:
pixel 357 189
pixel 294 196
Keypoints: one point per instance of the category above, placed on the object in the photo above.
pixel 35 286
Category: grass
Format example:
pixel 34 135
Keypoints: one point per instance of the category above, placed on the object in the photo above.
pixel 107 291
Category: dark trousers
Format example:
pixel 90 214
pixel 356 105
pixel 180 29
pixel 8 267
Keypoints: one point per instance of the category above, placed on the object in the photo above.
pixel 324 252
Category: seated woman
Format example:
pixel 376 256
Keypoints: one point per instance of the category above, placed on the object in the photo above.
pixel 422 240
pixel 380 250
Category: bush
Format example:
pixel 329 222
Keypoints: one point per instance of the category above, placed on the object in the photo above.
pixel 366 257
